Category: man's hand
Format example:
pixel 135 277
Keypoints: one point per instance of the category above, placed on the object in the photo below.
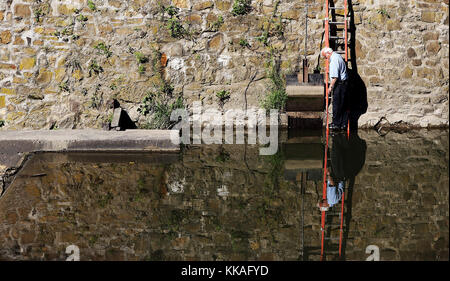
pixel 330 89
pixel 323 205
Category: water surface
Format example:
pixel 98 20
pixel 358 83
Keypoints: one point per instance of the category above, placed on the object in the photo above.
pixel 226 202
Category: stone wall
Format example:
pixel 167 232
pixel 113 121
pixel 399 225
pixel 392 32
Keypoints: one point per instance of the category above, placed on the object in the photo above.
pixel 52 76
pixel 224 203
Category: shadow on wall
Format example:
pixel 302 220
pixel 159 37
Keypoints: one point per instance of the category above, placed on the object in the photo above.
pixel 358 91
pixel 357 98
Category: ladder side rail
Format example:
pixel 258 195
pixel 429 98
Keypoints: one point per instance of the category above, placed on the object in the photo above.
pixel 324 192
pixel 342 223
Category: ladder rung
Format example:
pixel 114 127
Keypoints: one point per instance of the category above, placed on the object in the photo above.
pixel 340 52
pixel 332 238
pixel 343 29
pixel 336 37
pixel 336 8
pixel 336 22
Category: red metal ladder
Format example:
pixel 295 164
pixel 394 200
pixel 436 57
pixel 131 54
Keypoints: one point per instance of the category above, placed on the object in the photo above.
pixel 336 38
pixel 328 36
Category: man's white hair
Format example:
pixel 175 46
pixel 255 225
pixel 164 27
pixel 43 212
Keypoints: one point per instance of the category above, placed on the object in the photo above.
pixel 326 50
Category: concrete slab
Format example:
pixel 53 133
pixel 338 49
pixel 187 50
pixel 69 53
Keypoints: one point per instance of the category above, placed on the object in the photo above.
pixel 304 91
pixel 14 144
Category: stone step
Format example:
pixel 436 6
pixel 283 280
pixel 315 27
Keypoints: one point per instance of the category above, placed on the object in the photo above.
pixel 304 91
pixel 304 98
pixel 305 103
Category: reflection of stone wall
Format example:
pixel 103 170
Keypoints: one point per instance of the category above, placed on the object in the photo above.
pixel 400 199
pixel 47 55
pixel 225 203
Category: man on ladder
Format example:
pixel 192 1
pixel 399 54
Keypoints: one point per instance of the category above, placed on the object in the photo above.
pixel 338 88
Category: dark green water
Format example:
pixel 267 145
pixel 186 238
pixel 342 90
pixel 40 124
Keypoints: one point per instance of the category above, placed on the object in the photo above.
pixel 226 202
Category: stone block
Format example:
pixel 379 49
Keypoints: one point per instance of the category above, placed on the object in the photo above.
pixel 431 36
pixel 2 101
pixel 27 63
pixel 428 16
pixel 22 10
pixel 216 43
pixel 18 41
pixel 407 73
pixel 416 62
pixel 433 47
pixel 223 5
pixel 5 37
pixel 116 117
pixel 44 76
pixel 183 4
pixel 411 53
pixel 203 5
pixel 291 14
pixel 7 91
pixel 392 25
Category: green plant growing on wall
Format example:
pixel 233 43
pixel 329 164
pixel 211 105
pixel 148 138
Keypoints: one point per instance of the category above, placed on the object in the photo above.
pixel 42 10
pixel 104 48
pixel 160 102
pixel 383 12
pixel 94 68
pixel 67 31
pixel 244 43
pixel 2 123
pixel 140 57
pixel 241 7
pixel 276 97
pixel 95 101
pixel 110 118
pixel 91 5
pixel 264 38
pixel 160 108
pixel 171 10
pixel 277 30
pixel 223 97
pixel 176 29
pixel 64 87
pixel 38 14
pixel 174 25
pixel 141 69
pixel 279 27
pixel 217 24
pixel 82 18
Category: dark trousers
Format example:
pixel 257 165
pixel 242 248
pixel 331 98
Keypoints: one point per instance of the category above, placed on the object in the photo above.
pixel 340 104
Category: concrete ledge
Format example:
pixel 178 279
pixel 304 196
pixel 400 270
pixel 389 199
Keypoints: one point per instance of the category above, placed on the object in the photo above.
pixel 305 91
pixel 90 140
pixel 15 144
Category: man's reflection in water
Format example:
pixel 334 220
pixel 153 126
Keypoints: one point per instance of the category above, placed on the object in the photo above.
pixel 348 156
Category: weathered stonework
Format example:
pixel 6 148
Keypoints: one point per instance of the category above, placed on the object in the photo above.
pixel 47 49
